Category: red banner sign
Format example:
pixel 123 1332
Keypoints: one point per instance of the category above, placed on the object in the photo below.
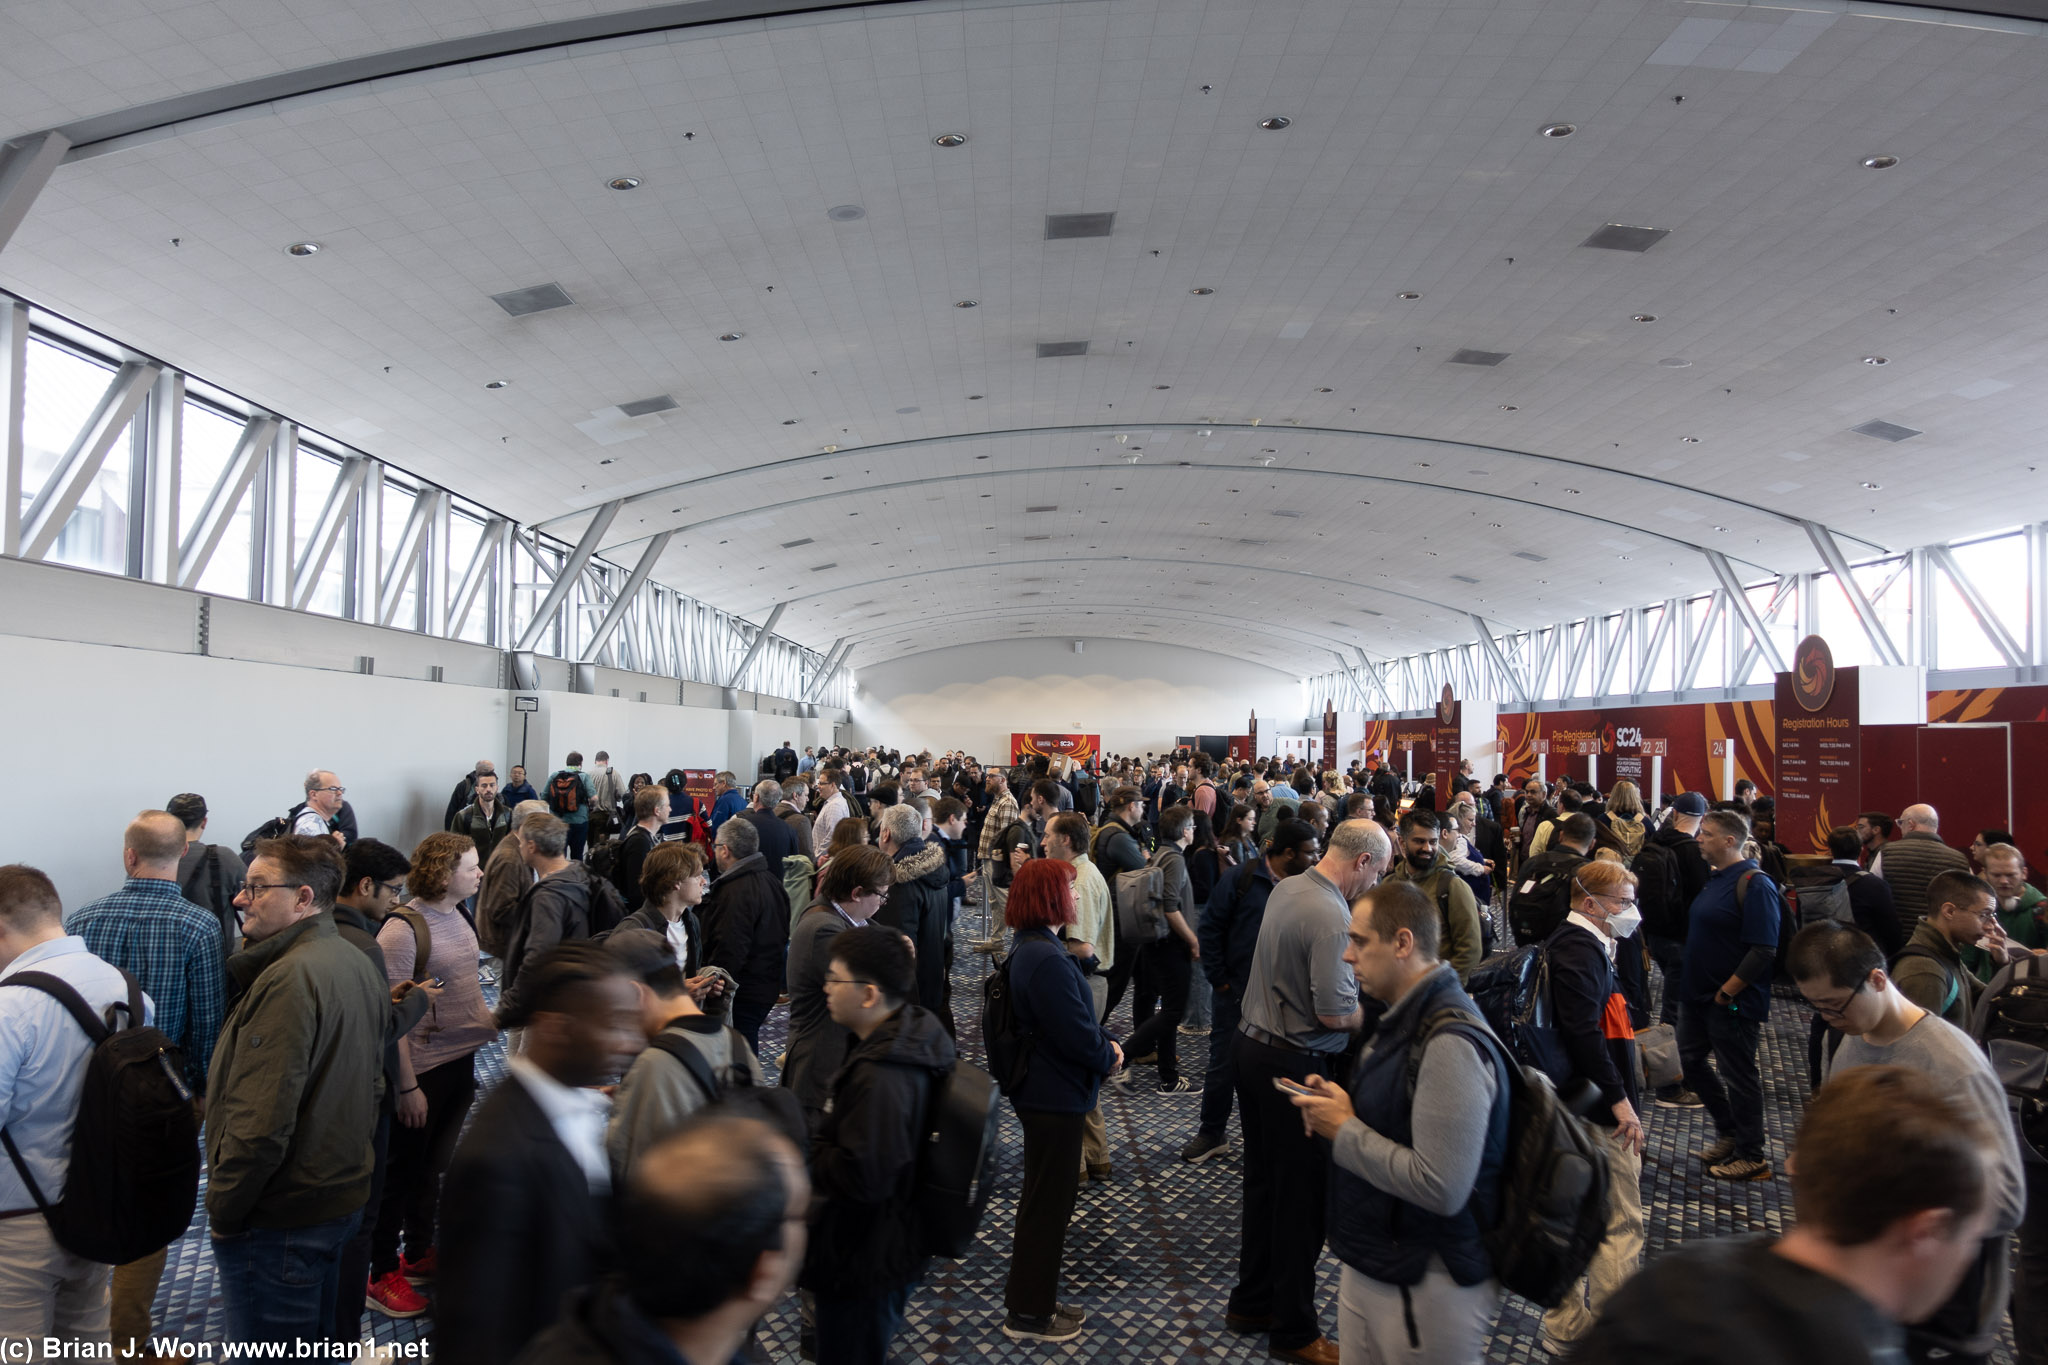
pixel 1080 748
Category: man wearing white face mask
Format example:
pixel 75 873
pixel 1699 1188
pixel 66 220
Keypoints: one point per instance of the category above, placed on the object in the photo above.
pixel 1593 1025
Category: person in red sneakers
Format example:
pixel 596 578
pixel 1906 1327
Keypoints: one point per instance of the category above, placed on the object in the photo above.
pixel 436 1065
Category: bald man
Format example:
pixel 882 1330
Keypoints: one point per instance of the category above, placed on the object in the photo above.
pixel 173 948
pixel 1913 859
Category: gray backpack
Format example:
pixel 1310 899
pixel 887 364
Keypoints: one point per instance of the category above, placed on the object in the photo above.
pixel 1141 905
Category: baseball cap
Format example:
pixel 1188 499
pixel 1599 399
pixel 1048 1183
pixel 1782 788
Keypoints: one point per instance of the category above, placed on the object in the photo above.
pixel 1690 803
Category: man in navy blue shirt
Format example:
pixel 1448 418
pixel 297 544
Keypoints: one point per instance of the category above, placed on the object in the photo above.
pixel 1726 996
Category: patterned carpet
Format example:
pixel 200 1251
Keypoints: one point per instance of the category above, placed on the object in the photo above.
pixel 1152 1255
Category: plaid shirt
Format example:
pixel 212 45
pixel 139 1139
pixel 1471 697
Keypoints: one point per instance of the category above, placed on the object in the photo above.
pixel 173 948
pixel 1001 816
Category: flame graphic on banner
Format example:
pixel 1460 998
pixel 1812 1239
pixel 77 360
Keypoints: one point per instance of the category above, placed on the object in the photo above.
pixel 1822 823
pixel 1516 734
pixel 1376 737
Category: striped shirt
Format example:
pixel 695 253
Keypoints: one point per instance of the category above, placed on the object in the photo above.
pixel 173 948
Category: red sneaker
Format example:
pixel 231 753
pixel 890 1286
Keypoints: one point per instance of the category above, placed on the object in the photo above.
pixel 420 1271
pixel 394 1298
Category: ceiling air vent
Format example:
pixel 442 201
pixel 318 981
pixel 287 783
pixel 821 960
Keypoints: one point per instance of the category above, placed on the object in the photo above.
pixel 647 407
pixel 792 544
pixel 1038 537
pixel 1247 540
pixel 1048 350
pixel 1615 237
pixel 1042 509
pixel 537 298
pixel 1368 611
pixel 1886 431
pixel 820 568
pixel 1461 578
pixel 1478 357
pixel 1062 225
pixel 1287 514
pixel 1532 557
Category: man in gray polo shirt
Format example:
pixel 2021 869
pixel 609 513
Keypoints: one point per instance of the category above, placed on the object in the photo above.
pixel 1299 1013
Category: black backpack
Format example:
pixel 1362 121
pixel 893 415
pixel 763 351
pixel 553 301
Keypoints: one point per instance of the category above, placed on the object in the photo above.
pixel 956 1165
pixel 1003 1036
pixel 603 861
pixel 565 793
pixel 1512 991
pixel 274 828
pixel 606 906
pixel 1657 890
pixel 1553 1183
pixel 1541 897
pixel 2011 1025
pixel 134 1174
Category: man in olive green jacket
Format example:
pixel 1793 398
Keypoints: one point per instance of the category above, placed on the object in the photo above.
pixel 292 1098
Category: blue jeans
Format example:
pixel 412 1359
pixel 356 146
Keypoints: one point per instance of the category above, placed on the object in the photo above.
pixel 1219 1081
pixel 1732 1087
pixel 281 1284
pixel 857 1331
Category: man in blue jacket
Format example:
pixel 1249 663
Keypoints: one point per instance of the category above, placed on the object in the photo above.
pixel 1229 932
pixel 1730 943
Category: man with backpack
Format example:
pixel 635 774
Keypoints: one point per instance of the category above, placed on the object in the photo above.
pixel 569 796
pixel 608 799
pixel 1726 996
pixel 1419 1145
pixel 1961 909
pixel 566 902
pixel 1670 870
pixel 650 813
pixel 1422 862
pixel 465 793
pixel 917 905
pixel 1842 975
pixel 50 1291
pixel 746 926
pixel 867 1243
pixel 1118 847
pixel 690 1062
pixel 1541 896
pixel 292 1099
pixel 209 875
pixel 173 949
pixel 485 819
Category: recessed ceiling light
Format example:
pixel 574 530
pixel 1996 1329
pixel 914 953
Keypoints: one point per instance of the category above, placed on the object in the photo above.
pixel 1690 440
pixel 968 303
pixel 1722 529
pixel 498 384
pixel 828 450
pixel 1275 123
pixel 1674 363
pixel 1645 317
pixel 1203 290
pixel 1407 294
pixel 731 336
pixel 1873 487
pixel 303 249
pixel 1880 163
pixel 846 213
pixel 623 182
pixel 1875 360
pixel 950 140
pixel 1559 129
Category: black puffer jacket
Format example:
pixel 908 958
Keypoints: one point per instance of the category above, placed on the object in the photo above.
pixel 865 1236
pixel 746 927
pixel 917 906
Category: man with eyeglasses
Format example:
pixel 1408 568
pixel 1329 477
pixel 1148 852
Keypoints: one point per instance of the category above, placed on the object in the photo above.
pixel 323 803
pixel 292 1099
pixel 1841 973
pixel 1591 1015
pixel 1962 910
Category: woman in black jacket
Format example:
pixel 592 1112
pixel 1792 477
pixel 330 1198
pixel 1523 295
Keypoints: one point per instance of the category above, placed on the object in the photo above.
pixel 1057 1087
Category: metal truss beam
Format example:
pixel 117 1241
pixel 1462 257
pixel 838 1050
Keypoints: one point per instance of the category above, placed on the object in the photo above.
pixel 334 514
pixel 219 509
pixel 754 648
pixel 474 574
pixel 1831 555
pixel 571 570
pixel 405 559
pixel 1491 648
pixel 25 167
pixel 627 596
pixel 1696 651
pixel 13 409
pixel 59 498
pixel 1731 586
pixel 1980 607
pixel 162 475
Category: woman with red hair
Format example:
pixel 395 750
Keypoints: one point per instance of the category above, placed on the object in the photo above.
pixel 1069 1055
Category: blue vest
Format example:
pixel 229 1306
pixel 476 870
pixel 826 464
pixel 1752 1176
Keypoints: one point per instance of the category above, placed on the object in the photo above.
pixel 1386 1238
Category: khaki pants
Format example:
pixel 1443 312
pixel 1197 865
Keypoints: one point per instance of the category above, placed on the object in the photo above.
pixel 1094 1135
pixel 45 1291
pixel 1620 1252
pixel 135 1286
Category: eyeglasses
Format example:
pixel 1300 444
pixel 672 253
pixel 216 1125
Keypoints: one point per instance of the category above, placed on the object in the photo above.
pixel 256 889
pixel 392 889
pixel 1837 1011
pixel 338 791
pixel 876 891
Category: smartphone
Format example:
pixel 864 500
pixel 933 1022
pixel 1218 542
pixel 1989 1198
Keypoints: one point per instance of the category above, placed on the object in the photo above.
pixel 436 982
pixel 1288 1087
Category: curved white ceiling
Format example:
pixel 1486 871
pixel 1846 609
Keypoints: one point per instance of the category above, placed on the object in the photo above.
pixel 1312 469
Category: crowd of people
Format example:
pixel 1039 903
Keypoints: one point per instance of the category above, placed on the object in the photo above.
pixel 638 1190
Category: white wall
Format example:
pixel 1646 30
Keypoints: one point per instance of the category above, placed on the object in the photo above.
pixel 1137 695
pixel 102 732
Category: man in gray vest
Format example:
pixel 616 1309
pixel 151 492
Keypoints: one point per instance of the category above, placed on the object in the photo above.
pixel 1912 860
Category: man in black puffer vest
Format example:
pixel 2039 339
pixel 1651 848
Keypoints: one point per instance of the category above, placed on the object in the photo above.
pixel 1416 1277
